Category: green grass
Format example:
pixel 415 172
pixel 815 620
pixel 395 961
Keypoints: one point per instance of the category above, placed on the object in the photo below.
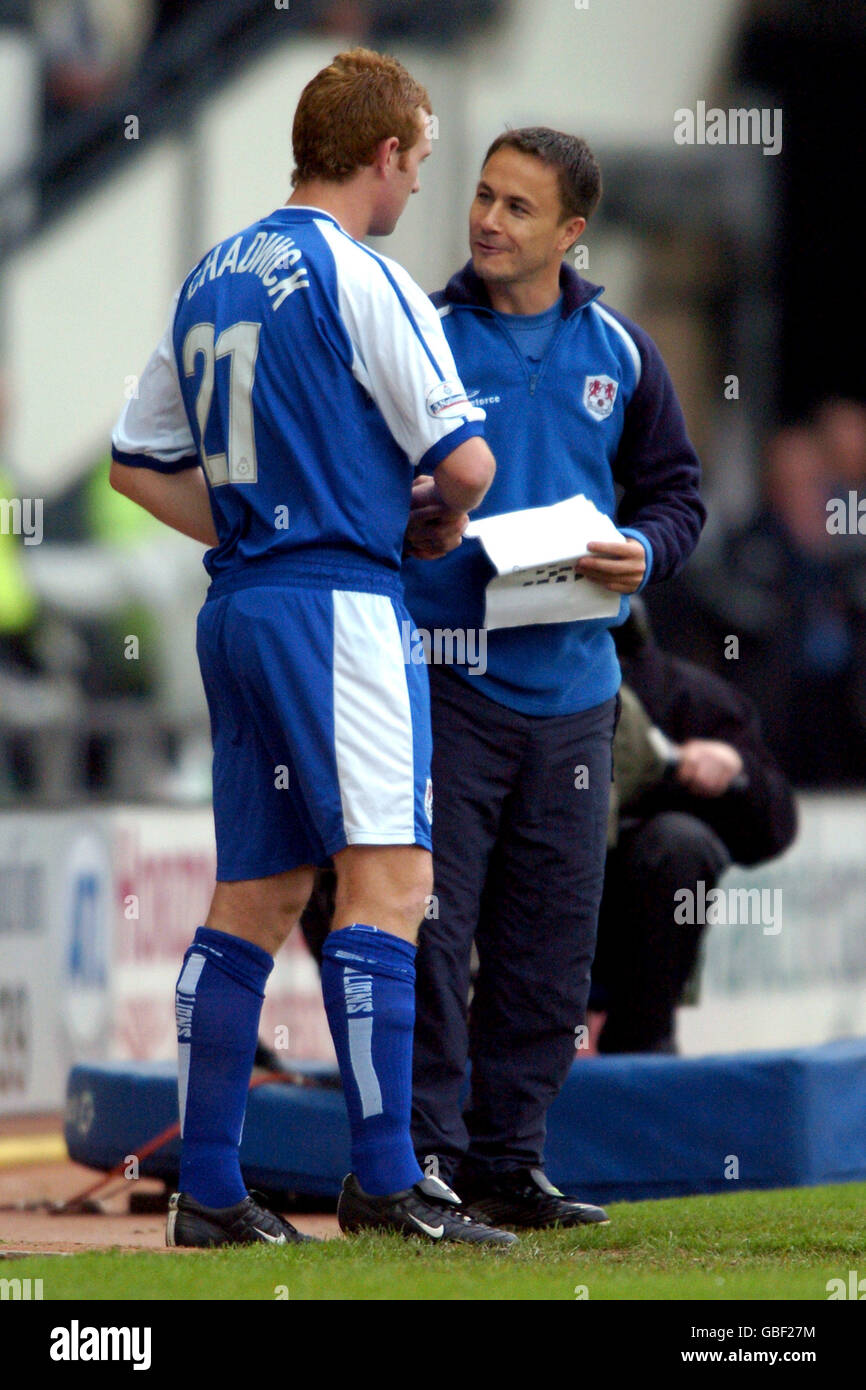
pixel 747 1245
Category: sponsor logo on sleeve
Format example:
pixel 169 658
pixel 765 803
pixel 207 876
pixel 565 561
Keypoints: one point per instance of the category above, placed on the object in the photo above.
pixel 447 401
pixel 475 398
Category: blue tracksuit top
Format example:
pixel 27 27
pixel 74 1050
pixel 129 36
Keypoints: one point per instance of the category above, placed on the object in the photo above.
pixel 600 416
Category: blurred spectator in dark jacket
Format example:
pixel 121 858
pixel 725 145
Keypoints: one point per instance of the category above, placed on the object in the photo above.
pixel 697 792
pixel 90 47
pixel 784 596
pixel 802 611
pixel 841 429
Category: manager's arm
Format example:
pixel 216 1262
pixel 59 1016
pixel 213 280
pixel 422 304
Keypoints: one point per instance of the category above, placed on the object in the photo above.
pixel 658 469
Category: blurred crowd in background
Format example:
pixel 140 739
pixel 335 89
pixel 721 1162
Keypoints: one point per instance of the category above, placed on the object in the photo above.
pixel 787 579
pixel 790 581
pixel 84 54
pixel 788 585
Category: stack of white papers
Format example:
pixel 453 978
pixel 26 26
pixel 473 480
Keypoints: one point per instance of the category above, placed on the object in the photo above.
pixel 534 552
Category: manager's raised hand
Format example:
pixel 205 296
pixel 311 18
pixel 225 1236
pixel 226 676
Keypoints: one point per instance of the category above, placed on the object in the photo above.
pixel 617 565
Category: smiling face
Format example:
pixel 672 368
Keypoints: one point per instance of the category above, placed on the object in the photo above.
pixel 518 233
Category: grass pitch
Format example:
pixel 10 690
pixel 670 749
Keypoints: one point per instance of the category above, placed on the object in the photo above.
pixel 747 1245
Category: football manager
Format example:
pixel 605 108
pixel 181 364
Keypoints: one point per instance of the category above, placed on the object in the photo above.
pixel 578 401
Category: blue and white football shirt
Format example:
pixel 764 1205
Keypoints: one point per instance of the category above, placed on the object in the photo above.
pixel 309 376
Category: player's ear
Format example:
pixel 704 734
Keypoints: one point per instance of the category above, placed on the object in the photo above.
pixel 386 152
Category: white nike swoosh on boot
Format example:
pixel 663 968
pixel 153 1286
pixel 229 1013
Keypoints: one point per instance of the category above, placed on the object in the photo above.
pixel 274 1240
pixel 437 1232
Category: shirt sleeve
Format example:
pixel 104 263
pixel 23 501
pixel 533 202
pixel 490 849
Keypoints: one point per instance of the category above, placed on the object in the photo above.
pixel 153 429
pixel 648 552
pixel 400 353
pixel 657 466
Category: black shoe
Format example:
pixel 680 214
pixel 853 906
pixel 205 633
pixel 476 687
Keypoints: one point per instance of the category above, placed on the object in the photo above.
pixel 524 1198
pixel 429 1209
pixel 189 1223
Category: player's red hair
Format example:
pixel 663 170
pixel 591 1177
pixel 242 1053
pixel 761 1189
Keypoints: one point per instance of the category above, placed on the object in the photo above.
pixel 348 108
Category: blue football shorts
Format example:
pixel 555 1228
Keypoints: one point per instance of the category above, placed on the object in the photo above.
pixel 320 726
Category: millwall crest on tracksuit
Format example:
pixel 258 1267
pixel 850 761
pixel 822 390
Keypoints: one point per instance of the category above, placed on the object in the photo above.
pixel 599 394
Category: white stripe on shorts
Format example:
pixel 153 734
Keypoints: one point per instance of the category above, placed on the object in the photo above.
pixel 373 738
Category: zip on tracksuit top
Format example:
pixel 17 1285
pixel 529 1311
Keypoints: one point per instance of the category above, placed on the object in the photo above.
pixel 598 416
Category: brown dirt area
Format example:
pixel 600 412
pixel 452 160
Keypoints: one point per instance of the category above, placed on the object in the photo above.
pixel 41 1232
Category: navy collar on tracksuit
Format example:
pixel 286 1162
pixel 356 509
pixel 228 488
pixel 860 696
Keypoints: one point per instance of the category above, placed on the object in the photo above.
pixel 466 287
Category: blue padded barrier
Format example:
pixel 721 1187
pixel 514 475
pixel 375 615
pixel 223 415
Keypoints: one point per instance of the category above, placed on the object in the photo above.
pixel 295 1139
pixel 646 1126
pixel 623 1128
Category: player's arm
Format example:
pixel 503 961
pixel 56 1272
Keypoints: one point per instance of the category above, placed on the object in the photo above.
pixel 437 519
pixel 180 500
pixel 463 476
pixel 154 458
pixel 402 358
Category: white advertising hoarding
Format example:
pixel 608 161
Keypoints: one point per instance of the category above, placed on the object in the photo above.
pixel 96 911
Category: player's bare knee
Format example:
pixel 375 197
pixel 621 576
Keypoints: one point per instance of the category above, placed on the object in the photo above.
pixel 263 911
pixel 287 910
pixel 287 900
pixel 422 895
pixel 411 896
pixel 408 909
pixel 388 888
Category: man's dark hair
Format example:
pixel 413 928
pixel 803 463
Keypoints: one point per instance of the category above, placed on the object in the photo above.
pixel 576 169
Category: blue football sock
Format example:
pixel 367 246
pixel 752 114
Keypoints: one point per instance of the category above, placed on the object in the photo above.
pixel 218 1004
pixel 368 985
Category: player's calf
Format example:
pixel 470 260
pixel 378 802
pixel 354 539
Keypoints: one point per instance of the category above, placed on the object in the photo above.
pixel 368 985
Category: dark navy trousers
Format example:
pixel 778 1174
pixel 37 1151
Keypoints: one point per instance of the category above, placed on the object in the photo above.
pixel 519 839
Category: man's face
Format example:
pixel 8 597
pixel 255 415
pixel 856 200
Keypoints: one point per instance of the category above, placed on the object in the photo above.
pixel 516 227
pixel 403 179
